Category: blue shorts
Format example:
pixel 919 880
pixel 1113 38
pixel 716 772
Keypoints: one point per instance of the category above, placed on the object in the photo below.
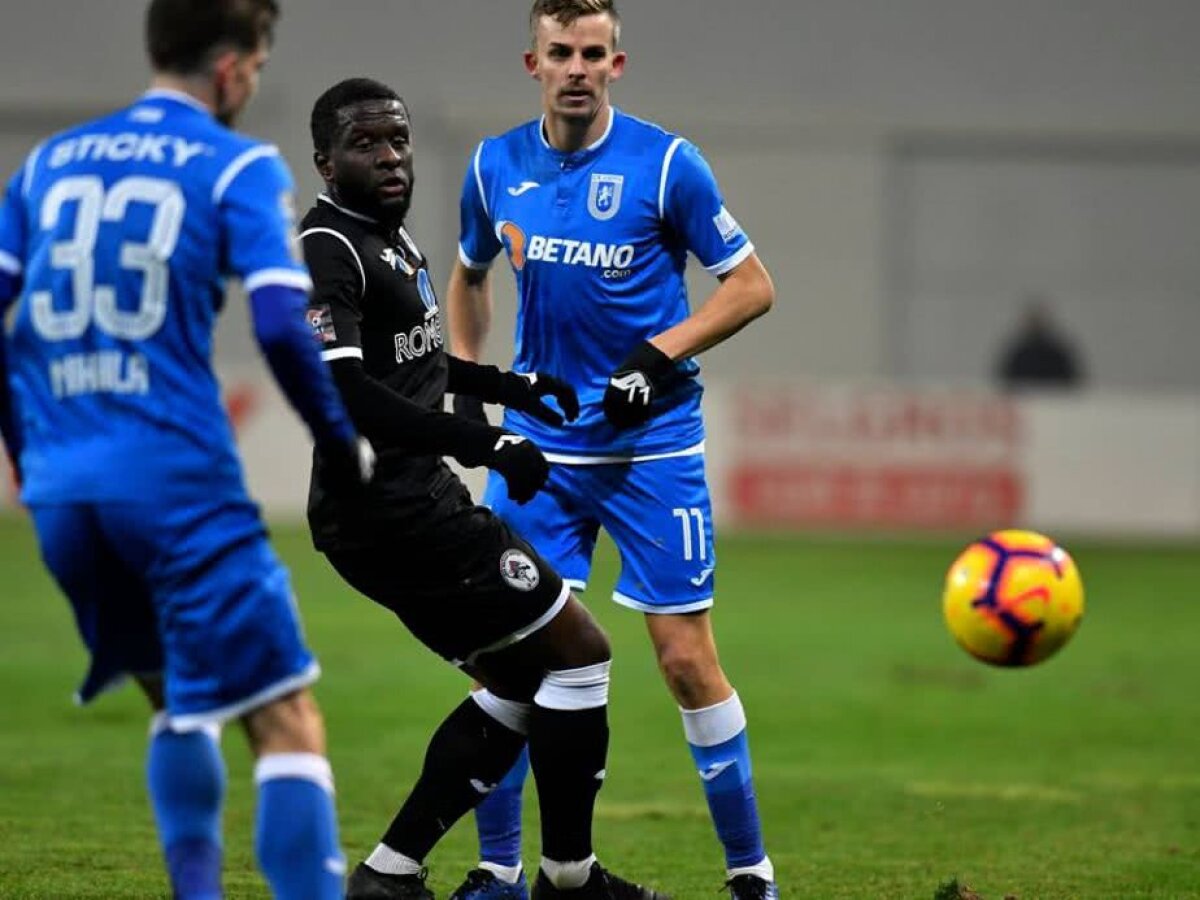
pixel 192 592
pixel 657 512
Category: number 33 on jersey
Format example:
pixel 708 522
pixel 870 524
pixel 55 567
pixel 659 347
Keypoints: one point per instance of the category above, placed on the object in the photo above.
pixel 118 229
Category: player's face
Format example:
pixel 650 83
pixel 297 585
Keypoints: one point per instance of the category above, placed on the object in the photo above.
pixel 370 166
pixel 236 77
pixel 575 64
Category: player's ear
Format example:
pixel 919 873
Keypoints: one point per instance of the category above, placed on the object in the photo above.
pixel 223 67
pixel 323 165
pixel 531 64
pixel 618 65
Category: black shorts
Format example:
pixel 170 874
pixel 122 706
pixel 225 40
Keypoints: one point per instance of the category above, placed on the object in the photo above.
pixel 464 586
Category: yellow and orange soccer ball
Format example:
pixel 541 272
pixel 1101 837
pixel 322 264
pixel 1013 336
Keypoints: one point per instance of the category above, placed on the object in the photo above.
pixel 1013 598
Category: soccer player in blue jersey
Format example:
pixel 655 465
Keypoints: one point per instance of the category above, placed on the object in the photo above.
pixel 116 237
pixel 596 212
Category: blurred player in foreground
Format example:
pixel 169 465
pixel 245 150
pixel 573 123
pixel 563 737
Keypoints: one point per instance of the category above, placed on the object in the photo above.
pixel 597 212
pixel 456 576
pixel 116 237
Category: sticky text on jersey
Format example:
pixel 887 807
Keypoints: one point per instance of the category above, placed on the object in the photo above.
pixel 166 149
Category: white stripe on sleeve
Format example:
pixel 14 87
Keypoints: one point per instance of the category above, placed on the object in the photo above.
pixel 479 180
pixel 662 178
pixel 235 168
pixel 730 262
pixel 345 240
pixel 282 277
pixel 342 353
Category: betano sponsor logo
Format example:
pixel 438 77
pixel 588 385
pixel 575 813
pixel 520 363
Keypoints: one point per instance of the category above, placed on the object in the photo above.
pixel 615 260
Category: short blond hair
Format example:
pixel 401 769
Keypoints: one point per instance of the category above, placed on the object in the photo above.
pixel 567 11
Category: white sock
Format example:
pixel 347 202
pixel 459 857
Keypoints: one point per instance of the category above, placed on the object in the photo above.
pixel 386 861
pixel 763 870
pixel 507 874
pixel 568 875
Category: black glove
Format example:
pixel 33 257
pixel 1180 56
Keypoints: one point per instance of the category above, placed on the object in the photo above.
pixel 524 392
pixel 518 459
pixel 348 465
pixel 645 374
pixel 468 406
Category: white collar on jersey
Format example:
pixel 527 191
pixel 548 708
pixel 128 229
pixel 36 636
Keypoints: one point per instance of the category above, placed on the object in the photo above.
pixel 177 96
pixel 401 232
pixel 325 198
pixel 612 117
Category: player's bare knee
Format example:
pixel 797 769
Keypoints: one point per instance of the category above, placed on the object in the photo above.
pixel 290 724
pixel 690 674
pixel 592 643
pixel 574 639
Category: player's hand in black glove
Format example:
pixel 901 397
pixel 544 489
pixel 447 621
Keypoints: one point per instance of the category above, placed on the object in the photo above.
pixel 524 392
pixel 521 463
pixel 644 375
pixel 348 465
pixel 468 406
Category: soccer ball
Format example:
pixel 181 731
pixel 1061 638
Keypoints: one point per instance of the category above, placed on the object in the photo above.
pixel 1013 598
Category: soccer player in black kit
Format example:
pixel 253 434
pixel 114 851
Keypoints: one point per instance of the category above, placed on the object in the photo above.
pixel 413 541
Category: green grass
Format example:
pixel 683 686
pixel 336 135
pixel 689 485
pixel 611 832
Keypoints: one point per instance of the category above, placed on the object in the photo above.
pixel 888 764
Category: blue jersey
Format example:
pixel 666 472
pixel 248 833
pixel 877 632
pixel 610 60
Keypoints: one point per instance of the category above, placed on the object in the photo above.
pixel 598 240
pixel 122 231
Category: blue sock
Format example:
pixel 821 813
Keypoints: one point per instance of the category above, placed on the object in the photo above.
pixel 717 738
pixel 185 775
pixel 295 831
pixel 498 817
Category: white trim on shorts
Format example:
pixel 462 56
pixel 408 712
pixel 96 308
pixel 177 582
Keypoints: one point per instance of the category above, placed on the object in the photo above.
pixel 662 609
pixel 521 633
pixel 572 460
pixel 195 721
pixel 575 584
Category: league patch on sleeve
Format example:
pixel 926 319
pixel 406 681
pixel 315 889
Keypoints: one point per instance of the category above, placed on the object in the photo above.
pixel 320 320
pixel 727 226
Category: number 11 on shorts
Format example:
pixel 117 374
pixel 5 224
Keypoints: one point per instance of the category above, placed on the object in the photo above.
pixel 686 515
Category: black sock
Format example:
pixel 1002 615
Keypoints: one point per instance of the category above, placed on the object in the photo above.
pixel 567 751
pixel 468 755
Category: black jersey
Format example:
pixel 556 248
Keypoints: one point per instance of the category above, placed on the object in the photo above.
pixel 373 301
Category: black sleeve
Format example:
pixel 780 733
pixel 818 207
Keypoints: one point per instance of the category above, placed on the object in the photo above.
pixel 386 418
pixel 335 305
pixel 463 377
pixel 390 420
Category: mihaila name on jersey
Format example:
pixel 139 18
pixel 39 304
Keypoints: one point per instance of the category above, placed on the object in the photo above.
pixel 104 372
pixel 615 259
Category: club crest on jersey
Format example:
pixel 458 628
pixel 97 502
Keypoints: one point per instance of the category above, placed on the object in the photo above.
pixel 519 571
pixel 604 195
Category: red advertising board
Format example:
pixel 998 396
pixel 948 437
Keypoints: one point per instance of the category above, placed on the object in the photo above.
pixel 854 457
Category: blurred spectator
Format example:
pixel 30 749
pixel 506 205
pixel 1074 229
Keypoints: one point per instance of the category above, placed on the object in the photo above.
pixel 1039 355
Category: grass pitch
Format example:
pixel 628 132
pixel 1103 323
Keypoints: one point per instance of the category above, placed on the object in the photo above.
pixel 888 764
